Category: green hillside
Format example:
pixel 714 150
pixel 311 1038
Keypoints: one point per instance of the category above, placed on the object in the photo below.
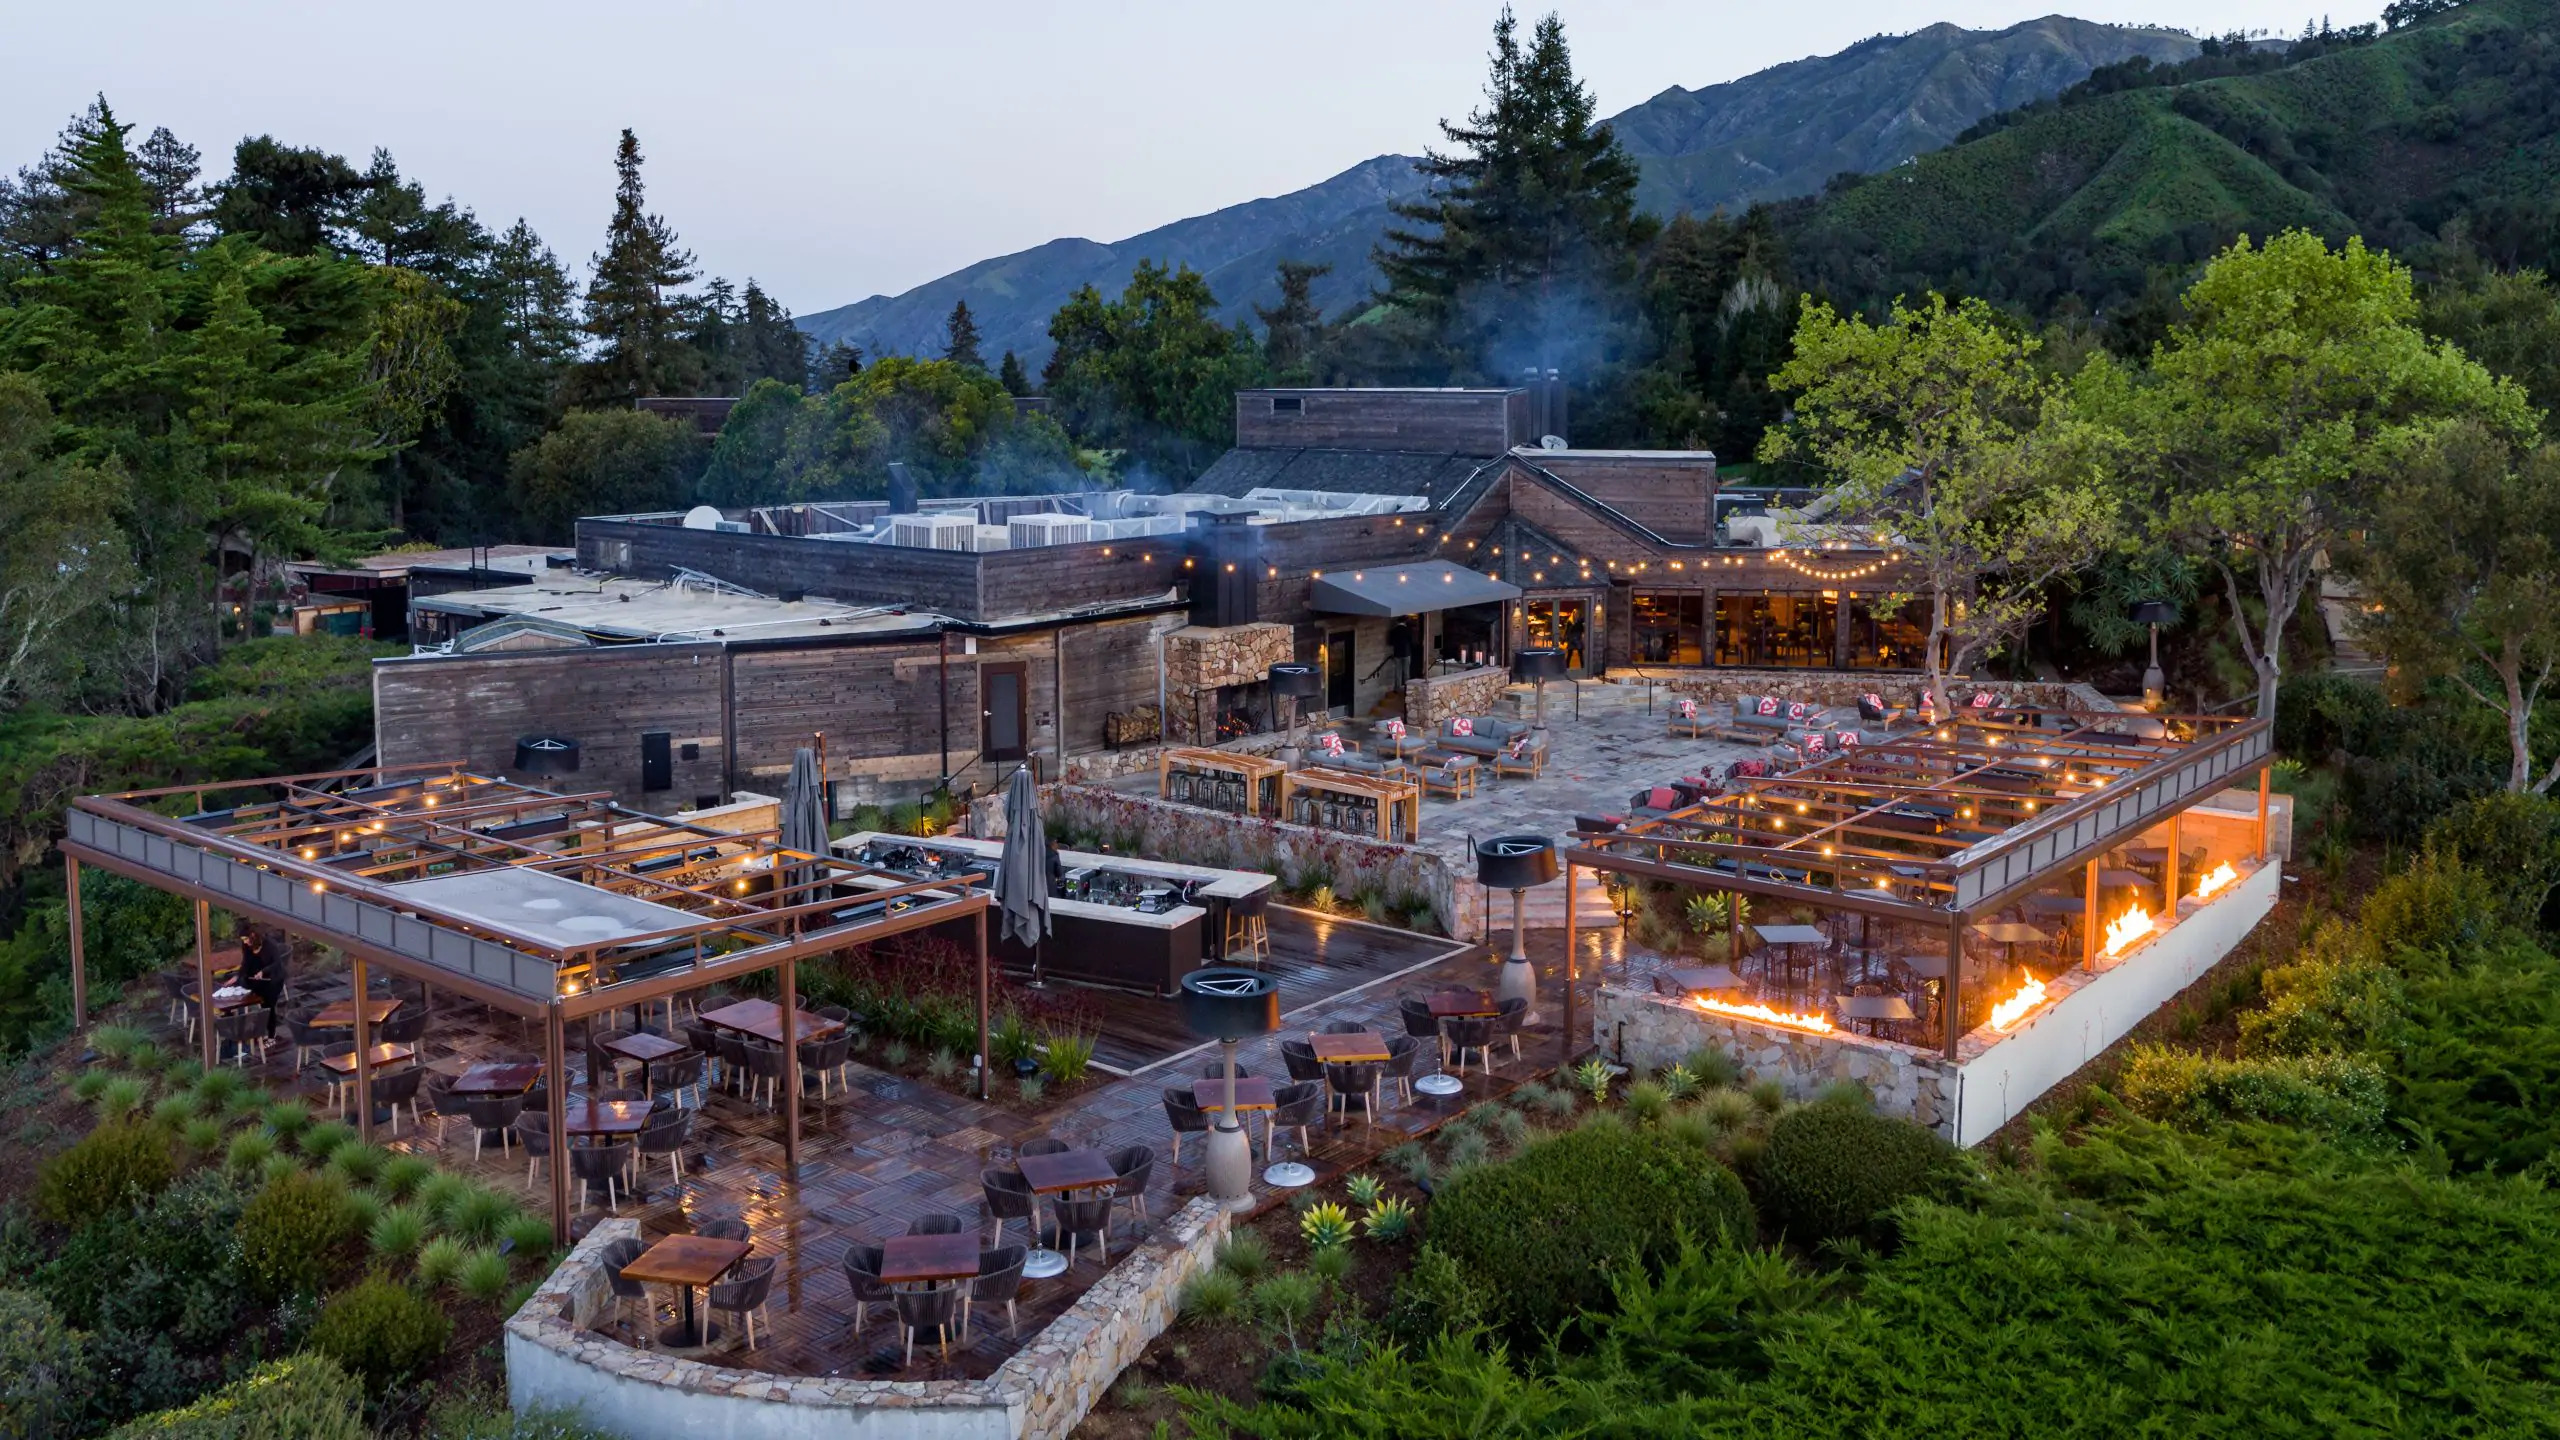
pixel 2455 122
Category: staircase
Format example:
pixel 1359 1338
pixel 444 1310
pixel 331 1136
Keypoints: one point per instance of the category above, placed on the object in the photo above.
pixel 1543 908
pixel 2339 602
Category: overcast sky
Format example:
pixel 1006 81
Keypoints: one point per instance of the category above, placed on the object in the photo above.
pixel 835 150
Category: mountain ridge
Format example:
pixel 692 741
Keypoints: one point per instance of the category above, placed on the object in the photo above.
pixel 1779 132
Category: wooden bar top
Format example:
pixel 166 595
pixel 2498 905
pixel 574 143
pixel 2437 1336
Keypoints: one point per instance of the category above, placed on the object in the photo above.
pixel 686 1260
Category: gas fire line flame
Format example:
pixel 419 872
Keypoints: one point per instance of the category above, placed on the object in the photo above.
pixel 2125 930
pixel 1817 1023
pixel 2010 1011
pixel 2214 879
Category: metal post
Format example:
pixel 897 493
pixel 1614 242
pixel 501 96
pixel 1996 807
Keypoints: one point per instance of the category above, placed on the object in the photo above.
pixel 2262 816
pixel 2169 874
pixel 364 1060
pixel 791 1067
pixel 1572 876
pixel 204 983
pixel 2089 920
pixel 983 1064
pixel 555 1045
pixel 1955 983
pixel 79 952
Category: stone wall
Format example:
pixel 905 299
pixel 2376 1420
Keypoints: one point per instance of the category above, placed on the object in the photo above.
pixel 556 1359
pixel 1652 1031
pixel 1199 659
pixel 1842 688
pixel 1468 692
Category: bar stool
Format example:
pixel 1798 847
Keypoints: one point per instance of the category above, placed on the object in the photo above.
pixel 1248 931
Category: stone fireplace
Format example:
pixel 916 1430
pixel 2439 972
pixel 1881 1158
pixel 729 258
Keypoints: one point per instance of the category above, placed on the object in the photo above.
pixel 1214 685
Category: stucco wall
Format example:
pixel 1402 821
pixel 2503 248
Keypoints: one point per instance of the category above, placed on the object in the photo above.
pixel 555 1359
pixel 1653 1032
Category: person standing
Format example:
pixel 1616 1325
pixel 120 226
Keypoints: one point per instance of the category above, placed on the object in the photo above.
pixel 262 969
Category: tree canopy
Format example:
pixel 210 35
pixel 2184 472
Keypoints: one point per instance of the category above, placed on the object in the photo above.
pixel 1151 373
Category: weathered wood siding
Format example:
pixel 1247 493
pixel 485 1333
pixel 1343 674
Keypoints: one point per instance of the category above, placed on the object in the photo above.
pixel 474 708
pixel 1671 495
pixel 1460 422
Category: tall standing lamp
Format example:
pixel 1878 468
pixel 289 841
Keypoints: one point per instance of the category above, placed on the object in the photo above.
pixel 1517 863
pixel 2154 613
pixel 1226 1004
pixel 1539 664
pixel 1288 683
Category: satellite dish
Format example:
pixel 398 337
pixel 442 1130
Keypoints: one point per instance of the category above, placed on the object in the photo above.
pixel 1545 442
pixel 703 517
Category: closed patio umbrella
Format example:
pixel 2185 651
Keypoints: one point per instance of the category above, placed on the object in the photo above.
pixel 1022 876
pixel 804 815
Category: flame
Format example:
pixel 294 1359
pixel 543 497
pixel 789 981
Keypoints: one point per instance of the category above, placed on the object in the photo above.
pixel 2010 1011
pixel 1818 1024
pixel 2132 926
pixel 2214 879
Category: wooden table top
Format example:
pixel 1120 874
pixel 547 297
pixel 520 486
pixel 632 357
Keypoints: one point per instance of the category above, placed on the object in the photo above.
pixel 1790 935
pixel 1345 1049
pixel 381 1055
pixel 763 1019
pixel 1253 1092
pixel 2123 879
pixel 343 1012
pixel 1067 1170
pixel 1704 977
pixel 604 1117
pixel 686 1260
pixel 1874 1007
pixel 916 1259
pixel 2147 854
pixel 1445 1003
pixel 497 1079
pixel 2007 933
pixel 645 1047
pixel 224 1004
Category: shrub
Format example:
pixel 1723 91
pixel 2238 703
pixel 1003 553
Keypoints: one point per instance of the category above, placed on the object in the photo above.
pixel 1326 1226
pixel 111 1168
pixel 1364 1190
pixel 44 1369
pixel 526 1235
pixel 1390 1220
pixel 2337 998
pixel 398 1232
pixel 403 1174
pixel 1070 1056
pixel 288 1117
pixel 2513 841
pixel 289 1235
pixel 2480 1059
pixel 1284 1300
pixel 121 1095
pixel 201 1136
pixel 1245 1255
pixel 382 1332
pixel 1833 1170
pixel 484 1276
pixel 1433 1298
pixel 2341 1098
pixel 357 1162
pixel 322 1140
pixel 1211 1295
pixel 249 1150
pixel 306 1397
pixel 172 1111
pixel 1331 1264
pixel 2436 905
pixel 1592 1197
pixel 440 1260
pixel 478 1214
pixel 437 1193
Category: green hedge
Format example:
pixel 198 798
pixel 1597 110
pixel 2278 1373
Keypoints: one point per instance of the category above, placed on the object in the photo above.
pixel 44 1368
pixel 110 1169
pixel 2341 1097
pixel 307 1397
pixel 382 1331
pixel 1833 1169
pixel 291 1233
pixel 1537 1234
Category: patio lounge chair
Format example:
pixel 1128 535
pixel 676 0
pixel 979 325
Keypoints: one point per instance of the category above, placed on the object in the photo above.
pixel 1525 753
pixel 1757 717
pixel 1685 719
pixel 1454 775
pixel 1479 735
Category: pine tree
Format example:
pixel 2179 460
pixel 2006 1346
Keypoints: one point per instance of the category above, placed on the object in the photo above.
pixel 633 311
pixel 536 297
pixel 169 168
pixel 836 363
pixel 960 338
pixel 39 211
pixel 1011 375
pixel 291 200
pixel 392 224
pixel 775 348
pixel 1534 233
pixel 1290 328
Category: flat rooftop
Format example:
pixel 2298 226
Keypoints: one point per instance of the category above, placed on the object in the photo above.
pixel 619 609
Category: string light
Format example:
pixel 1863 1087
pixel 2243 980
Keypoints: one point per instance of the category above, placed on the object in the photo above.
pixel 1816 572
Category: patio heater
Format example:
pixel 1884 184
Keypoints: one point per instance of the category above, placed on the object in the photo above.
pixel 1288 683
pixel 1227 1004
pixel 1517 863
pixel 2154 613
pixel 1539 664
pixel 546 755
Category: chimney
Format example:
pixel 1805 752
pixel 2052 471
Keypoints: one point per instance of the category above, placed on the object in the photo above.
pixel 1537 389
pixel 902 489
pixel 1555 408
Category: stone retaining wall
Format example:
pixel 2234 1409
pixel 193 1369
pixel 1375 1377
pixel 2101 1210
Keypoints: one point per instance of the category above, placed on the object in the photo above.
pixel 1427 702
pixel 1836 687
pixel 556 1359
pixel 1199 659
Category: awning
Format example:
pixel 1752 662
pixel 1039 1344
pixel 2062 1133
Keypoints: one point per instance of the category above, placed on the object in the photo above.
pixel 1412 588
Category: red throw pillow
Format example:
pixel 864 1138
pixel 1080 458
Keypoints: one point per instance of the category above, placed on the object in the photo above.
pixel 1688 708
pixel 1849 738
pixel 1982 700
pixel 1462 726
pixel 1661 797
pixel 1768 705
pixel 1813 744
pixel 1796 711
pixel 1875 700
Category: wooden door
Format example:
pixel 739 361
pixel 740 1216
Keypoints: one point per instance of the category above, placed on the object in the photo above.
pixel 1341 681
pixel 1005 693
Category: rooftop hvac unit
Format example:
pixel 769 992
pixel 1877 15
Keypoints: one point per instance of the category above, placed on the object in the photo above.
pixel 1051 528
pixel 984 538
pixel 934 532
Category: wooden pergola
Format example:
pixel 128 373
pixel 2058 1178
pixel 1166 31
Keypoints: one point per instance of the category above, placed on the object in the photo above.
pixel 337 857
pixel 1944 823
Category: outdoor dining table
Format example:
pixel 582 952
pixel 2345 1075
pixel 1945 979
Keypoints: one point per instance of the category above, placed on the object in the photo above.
pixel 1452 1004
pixel 604 1117
pixel 1253 1092
pixel 496 1079
pixel 928 1259
pixel 2009 936
pixel 343 1067
pixel 1697 978
pixel 763 1020
pixel 1874 1011
pixel 226 998
pixel 1349 1049
pixel 1788 937
pixel 1056 1174
pixel 687 1261
pixel 644 1047
pixel 341 1014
